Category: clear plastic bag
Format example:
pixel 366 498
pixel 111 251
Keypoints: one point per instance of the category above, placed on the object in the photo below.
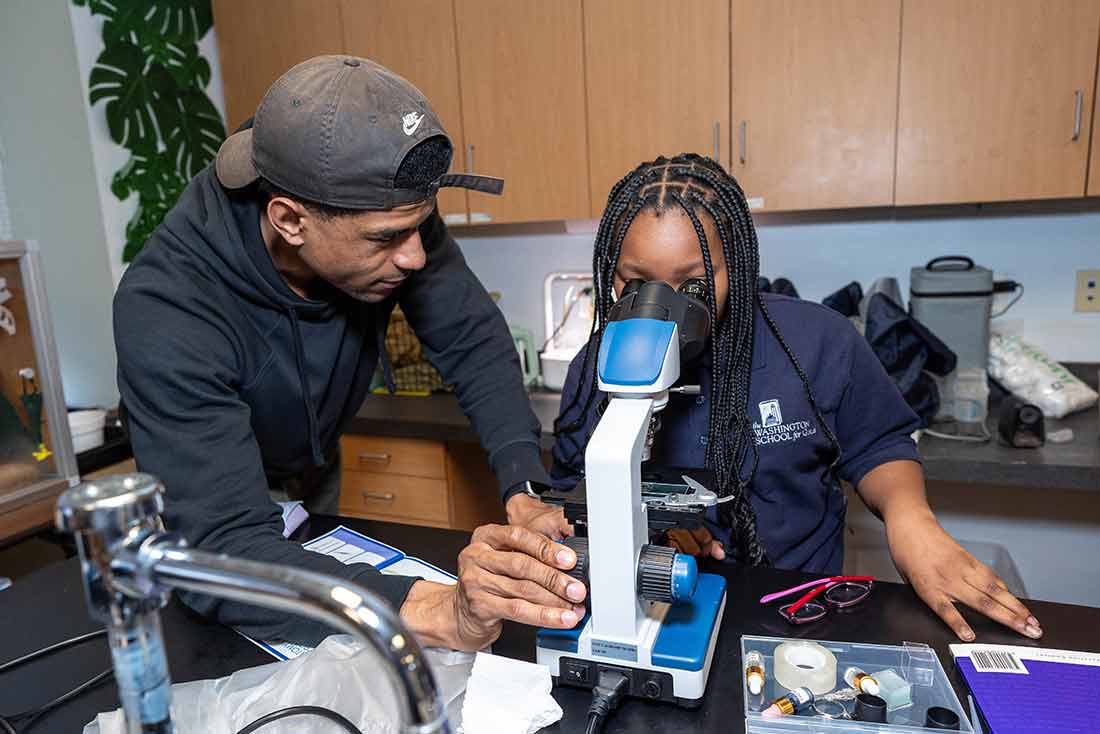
pixel 1029 374
pixel 340 675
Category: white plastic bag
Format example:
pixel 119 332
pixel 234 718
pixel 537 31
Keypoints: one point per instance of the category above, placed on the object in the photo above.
pixel 1031 375
pixel 339 674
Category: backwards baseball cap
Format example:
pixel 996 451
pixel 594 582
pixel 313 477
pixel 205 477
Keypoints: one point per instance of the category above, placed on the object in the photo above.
pixel 334 130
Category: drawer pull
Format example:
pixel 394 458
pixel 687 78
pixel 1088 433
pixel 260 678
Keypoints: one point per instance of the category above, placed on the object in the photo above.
pixel 381 496
pixel 372 456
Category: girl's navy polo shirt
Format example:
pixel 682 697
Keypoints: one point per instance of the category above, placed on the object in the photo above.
pixel 799 507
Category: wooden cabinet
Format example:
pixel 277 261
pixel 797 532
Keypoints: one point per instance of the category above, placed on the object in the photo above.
pixel 815 102
pixel 657 84
pixel 829 104
pixel 259 40
pixel 521 74
pixel 1094 165
pixel 416 39
pixel 417 482
pixel 987 99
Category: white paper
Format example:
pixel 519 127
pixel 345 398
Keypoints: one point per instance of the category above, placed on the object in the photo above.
pixel 506 696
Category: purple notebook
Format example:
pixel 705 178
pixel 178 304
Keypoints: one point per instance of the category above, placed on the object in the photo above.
pixel 1029 690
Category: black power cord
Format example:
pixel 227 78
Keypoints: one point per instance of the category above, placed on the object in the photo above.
pixel 301 711
pixel 27 719
pixel 51 649
pixel 610 688
pixel 33 715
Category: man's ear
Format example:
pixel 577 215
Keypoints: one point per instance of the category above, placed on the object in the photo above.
pixel 287 217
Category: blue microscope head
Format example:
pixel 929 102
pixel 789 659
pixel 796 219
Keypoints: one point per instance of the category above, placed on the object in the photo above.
pixel 651 330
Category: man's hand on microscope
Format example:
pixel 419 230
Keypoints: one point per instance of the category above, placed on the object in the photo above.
pixel 506 572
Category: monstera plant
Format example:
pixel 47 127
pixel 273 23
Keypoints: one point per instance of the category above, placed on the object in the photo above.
pixel 153 79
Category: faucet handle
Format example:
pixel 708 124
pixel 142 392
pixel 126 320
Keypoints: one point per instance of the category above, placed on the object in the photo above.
pixel 105 516
pixel 111 504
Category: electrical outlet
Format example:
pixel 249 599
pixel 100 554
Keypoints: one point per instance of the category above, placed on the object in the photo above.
pixel 1088 291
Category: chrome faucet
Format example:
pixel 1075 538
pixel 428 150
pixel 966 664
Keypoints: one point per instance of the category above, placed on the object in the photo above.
pixel 130 565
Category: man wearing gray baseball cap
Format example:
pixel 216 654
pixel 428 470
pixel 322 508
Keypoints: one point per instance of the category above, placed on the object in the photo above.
pixel 249 328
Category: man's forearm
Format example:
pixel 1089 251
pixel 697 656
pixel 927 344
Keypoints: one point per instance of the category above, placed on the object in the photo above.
pixel 894 490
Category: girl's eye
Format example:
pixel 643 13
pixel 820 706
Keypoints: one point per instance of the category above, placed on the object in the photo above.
pixel 696 288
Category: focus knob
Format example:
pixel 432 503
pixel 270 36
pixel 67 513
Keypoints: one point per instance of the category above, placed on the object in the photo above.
pixel 665 575
pixel 580 547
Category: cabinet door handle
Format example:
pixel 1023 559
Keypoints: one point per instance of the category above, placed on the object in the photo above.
pixel 1078 100
pixel 718 141
pixel 380 496
pixel 469 157
pixel 373 456
pixel 743 138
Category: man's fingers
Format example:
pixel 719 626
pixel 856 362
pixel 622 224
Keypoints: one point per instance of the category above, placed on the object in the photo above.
pixel 991 598
pixel 509 588
pixel 553 525
pixel 536 545
pixel 522 567
pixel 523 611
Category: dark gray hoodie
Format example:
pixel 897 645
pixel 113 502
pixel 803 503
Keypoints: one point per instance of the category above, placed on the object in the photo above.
pixel 229 380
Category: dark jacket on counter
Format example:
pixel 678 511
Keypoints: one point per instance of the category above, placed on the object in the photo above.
pixel 232 381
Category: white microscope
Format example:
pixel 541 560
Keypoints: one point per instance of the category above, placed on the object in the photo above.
pixel 653 617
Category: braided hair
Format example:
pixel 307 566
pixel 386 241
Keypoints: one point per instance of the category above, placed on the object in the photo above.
pixel 698 185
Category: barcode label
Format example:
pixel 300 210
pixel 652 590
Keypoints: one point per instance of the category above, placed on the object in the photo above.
pixel 997 661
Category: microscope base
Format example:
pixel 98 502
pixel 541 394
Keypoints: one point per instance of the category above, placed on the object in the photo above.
pixel 669 662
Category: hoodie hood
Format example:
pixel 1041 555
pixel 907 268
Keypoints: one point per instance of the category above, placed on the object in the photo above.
pixel 220 230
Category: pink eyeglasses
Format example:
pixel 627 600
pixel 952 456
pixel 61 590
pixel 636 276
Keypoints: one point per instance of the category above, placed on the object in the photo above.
pixel 836 592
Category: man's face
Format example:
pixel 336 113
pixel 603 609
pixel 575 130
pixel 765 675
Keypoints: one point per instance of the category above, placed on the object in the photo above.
pixel 365 255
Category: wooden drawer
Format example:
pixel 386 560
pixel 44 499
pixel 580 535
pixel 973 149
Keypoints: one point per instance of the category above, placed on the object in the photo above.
pixel 381 455
pixel 393 497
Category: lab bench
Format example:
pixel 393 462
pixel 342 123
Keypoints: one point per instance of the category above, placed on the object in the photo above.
pixel 48 606
pixel 1074 465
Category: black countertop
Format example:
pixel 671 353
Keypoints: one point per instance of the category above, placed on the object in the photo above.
pixel 1074 465
pixel 48 606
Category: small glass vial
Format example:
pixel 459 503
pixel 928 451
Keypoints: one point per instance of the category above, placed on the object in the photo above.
pixel 797 700
pixel 861 681
pixel 754 672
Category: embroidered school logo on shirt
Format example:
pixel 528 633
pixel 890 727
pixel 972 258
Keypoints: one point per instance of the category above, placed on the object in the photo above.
pixel 770 414
pixel 772 429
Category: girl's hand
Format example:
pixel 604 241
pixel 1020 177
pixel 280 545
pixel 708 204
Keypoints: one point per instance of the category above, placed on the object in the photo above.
pixel 697 542
pixel 943 573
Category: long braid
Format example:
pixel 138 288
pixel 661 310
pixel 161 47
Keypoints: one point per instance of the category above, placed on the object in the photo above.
pixel 694 184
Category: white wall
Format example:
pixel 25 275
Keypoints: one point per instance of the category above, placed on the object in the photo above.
pixel 108 155
pixel 51 189
pixel 1041 245
pixel 6 232
pixel 1052 535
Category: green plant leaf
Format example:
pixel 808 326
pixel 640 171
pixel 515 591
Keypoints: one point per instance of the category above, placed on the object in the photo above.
pixel 181 18
pixel 181 59
pixel 192 130
pixel 131 20
pixel 150 213
pixel 149 176
pixel 133 93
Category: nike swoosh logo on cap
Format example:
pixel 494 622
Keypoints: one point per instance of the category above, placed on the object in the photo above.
pixel 410 122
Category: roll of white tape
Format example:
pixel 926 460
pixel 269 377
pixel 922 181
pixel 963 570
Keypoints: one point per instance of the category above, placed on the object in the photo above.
pixel 800 663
